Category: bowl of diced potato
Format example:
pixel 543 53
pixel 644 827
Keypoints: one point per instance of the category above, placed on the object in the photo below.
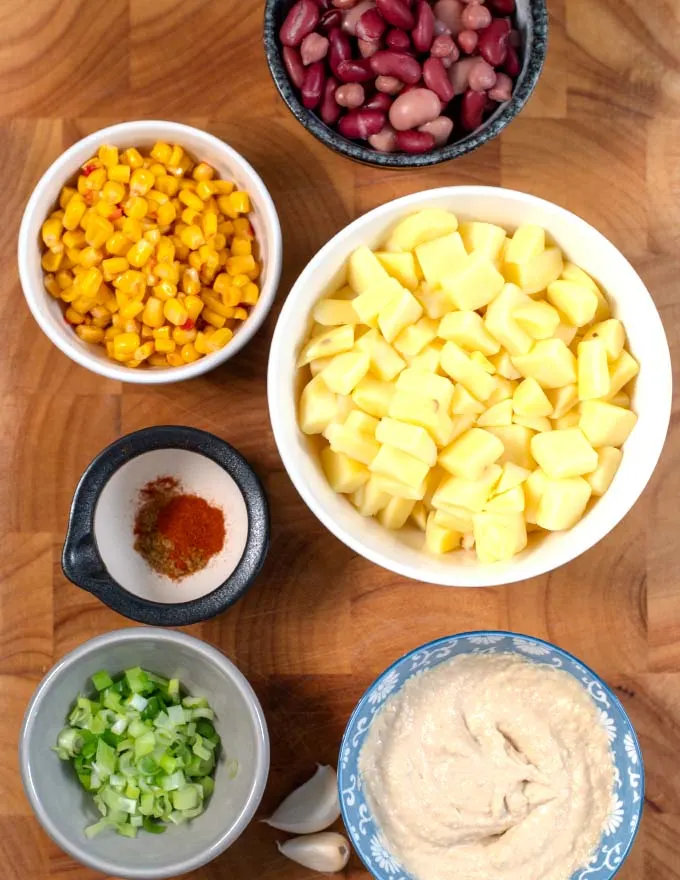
pixel 469 386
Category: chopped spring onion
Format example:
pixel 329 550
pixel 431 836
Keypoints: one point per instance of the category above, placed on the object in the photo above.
pixel 146 753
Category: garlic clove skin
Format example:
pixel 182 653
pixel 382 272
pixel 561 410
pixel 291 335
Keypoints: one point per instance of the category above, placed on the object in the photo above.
pixel 312 807
pixel 326 852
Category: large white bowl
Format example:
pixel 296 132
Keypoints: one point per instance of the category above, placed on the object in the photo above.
pixel 200 145
pixel 401 551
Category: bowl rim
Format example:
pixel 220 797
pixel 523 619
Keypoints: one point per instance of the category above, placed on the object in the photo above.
pixel 81 561
pixel 211 655
pixel 493 126
pixel 61 169
pixel 279 409
pixel 465 636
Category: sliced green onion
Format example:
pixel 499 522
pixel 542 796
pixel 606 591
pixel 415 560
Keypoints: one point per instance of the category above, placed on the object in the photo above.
pixel 102 680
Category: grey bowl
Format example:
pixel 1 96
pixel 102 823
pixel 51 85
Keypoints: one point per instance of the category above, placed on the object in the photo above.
pixel 532 21
pixel 64 808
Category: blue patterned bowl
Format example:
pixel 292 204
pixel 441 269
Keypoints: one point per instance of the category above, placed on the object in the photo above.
pixel 627 798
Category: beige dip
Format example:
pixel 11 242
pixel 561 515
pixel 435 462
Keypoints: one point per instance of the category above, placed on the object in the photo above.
pixel 489 767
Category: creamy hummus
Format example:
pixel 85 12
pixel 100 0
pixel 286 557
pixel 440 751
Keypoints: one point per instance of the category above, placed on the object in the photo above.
pixel 489 767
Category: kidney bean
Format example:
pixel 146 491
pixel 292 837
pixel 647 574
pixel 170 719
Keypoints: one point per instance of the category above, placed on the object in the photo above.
pixel 512 64
pixel 423 32
pixel 361 124
pixel 472 109
pixel 314 47
pixel 398 39
pixel 330 19
pixel 312 87
pixel 502 7
pixel 390 63
pixel 515 39
pixel 443 46
pixel 482 76
pixel 415 141
pixel 459 74
pixel 467 40
pixel 440 28
pixel 385 141
pixel 390 85
pixel 493 41
pixel 475 17
pixel 355 70
pixel 351 95
pixel 345 4
pixel 436 79
pixel 397 13
pixel 300 21
pixel 366 48
pixel 329 110
pixel 371 26
pixel 379 101
pixel 449 12
pixel 340 49
pixel 351 18
pixel 502 90
pixel 294 66
pixel 440 129
pixel 414 108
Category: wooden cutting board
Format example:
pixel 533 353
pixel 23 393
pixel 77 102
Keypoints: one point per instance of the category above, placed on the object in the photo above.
pixel 601 136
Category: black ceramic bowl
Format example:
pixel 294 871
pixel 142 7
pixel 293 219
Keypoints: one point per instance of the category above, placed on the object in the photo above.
pixel 532 18
pixel 99 553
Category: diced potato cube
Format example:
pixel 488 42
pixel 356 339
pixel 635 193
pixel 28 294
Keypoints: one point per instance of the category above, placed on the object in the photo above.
pixel 364 270
pixel 370 498
pixel 373 299
pixel 536 273
pixel 562 400
pixel 499 536
pixel 330 343
pixel 564 453
pixel 419 515
pixel 530 399
pixel 399 313
pixel 395 513
pixel 534 487
pixel 592 369
pixel 498 414
pixel 415 337
pixel 473 283
pixel 577 303
pixel 439 539
pixel 435 302
pixel 471 453
pixel 398 465
pixel 464 403
pixel 568 420
pixel 385 362
pixel 562 503
pixel 549 362
pixel 505 388
pixel 373 396
pixel 516 443
pixel 456 492
pixel 455 519
pixel 612 334
pixel 504 365
pixel 440 256
pixel 467 330
pixel 420 227
pixel 428 359
pixel 319 364
pixel 345 371
pixel 511 501
pixel 624 368
pixel 397 489
pixel 344 408
pixel 458 365
pixel 426 385
pixel 566 333
pixel 409 438
pixel 423 411
pixel 620 399
pixel 500 323
pixel 334 312
pixel 605 424
pixel 485 238
pixel 512 476
pixel 483 362
pixel 345 292
pixel 538 318
pixel 608 461
pixel 574 273
pixel 536 423
pixel 318 405
pixel 527 242
pixel 359 421
pixel 343 474
pixel 361 447
pixel 403 267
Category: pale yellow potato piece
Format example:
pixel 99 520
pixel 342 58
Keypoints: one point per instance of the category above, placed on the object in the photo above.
pixel 536 423
pixel 534 487
pixel 612 334
pixel 505 388
pixel 400 466
pixel 455 519
pixel 319 364
pixel 500 323
pixel 385 362
pixel 460 423
pixel 398 314
pixel 530 399
pixel 364 270
pixel 360 421
pixel 344 408
pixel 512 476
pixel 409 438
pixel 608 461
pixel 354 444
pixel 563 400
pixel 458 365
pixel 374 298
pixel 499 536
pixel 527 242
pixel 510 501
pixel 428 359
pixel 344 474
pixel 373 396
pixel 592 369
pixel 516 443
pixel 345 292
pixel 467 330
pixel 395 513
pixel 564 453
pixel 463 403
pixel 504 365
pixel 605 424
pixel 436 476
pixel 577 303
pixel 423 411
pixel 397 489
pixel 413 339
pixel 549 362
pixel 334 312
pixel 483 362
pixel 620 399
pixel 440 256
pixel 327 344
pixel 434 301
pixel 318 405
pixel 624 368
pixel 419 515
pixel 421 227
pixel 498 414
pixel 345 371
pixel 370 498
pixel 574 273
pixel 456 492
pixel 403 267
pixel 426 384
pixel 473 283
pixel 566 333
pixel 568 420
pixel 562 503
pixel 536 273
pixel 438 539
pixel 471 453
pixel 484 238
pixel 538 318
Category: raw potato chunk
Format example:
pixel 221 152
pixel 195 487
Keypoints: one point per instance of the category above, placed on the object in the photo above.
pixel 434 301
pixel 605 424
pixel 370 498
pixel 413 339
pixel 577 303
pixel 592 369
pixel 624 368
pixel 549 362
pixel 566 333
pixel 345 371
pixel 511 501
pixel 502 326
pixel 505 388
pixel 395 513
pixel 361 447
pixel 439 256
pixel 364 270
pixel 458 365
pixel 330 343
pixel 397 489
pixel 538 318
pixel 467 330
pixel 564 453
pixel 426 385
pixel 483 362
pixel 471 453
pixel 504 366
pixel 333 312
pixel 455 519
pixel 373 396
pixel 499 536
pixel 402 267
pixel 409 438
pixel 385 362
pixel 456 492
pixel 512 476
pixel 318 405
pixel 537 272
pixel 345 475
pixel 344 408
pixel 569 420
pixel 527 242
pixel 400 466
pixel 318 364
pixel 573 273
pixel 474 282
pixel 422 411
pixel 517 445
pixel 536 423
pixel 563 399
pixel 530 399
pixel 534 487
pixel 373 299
pixel 496 415
pixel 361 422
pixel 419 515
pixel 609 459
pixel 484 238
pixel 463 403
pixel 421 227
pixel 562 503
pixel 612 334
pixel 438 539
pixel 398 314
pixel 428 359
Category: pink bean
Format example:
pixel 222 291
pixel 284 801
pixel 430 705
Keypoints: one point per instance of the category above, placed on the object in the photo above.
pixel 415 141
pixel 472 110
pixel 512 65
pixel 312 87
pixel 482 76
pixel 331 19
pixel 493 41
pixel 390 63
pixel 414 108
pixel 371 26
pixel 340 49
pixel 390 85
pixel 515 39
pixel 440 129
pixel 367 48
pixel 467 40
pixel 379 101
pixel 329 110
pixel 294 66
pixel 396 13
pixel 300 21
pixel 398 39
pixel 440 28
pixel 355 70
pixel 459 74
pixel 436 79
pixel 314 47
pixel 475 17
pixel 361 124
pixel 443 46
pixel 351 19
pixel 502 7
pixel 449 12
pixel 385 141
pixel 351 95
pixel 423 32
pixel 345 4
pixel 502 90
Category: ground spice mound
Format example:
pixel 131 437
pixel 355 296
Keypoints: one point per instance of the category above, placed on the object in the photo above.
pixel 177 533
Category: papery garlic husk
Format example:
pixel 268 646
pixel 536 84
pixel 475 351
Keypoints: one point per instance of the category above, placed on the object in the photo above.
pixel 327 852
pixel 312 807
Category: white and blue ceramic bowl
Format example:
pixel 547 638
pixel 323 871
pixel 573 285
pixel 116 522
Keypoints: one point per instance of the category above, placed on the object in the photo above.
pixel 627 798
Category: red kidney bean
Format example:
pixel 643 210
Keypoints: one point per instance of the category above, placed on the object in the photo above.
pixel 414 108
pixel 331 19
pixel 312 87
pixel 313 48
pixel 459 74
pixel 423 32
pixel 440 129
pixel 385 141
pixel 351 18
pixel 366 48
pixel 371 26
pixel 340 49
pixel 472 109
pixel 379 101
pixel 502 7
pixel 449 12
pixel 398 39
pixel 512 64
pixel 397 13
pixel 502 90
pixel 440 28
pixel 468 40
pixel 436 79
pixel 345 4
pixel 482 76
pixel 443 46
pixel 515 39
pixel 493 41
pixel 351 95
pixel 329 110
pixel 355 70
pixel 475 17
pixel 294 66
pixel 390 85
pixel 300 21
pixel 415 141
pixel 390 63
pixel 361 124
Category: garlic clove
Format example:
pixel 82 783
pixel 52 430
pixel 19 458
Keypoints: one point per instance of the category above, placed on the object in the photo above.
pixel 312 807
pixel 327 852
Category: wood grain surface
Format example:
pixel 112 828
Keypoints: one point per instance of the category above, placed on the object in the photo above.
pixel 601 136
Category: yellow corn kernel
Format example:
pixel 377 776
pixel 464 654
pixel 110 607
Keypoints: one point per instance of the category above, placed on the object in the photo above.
pixel 240 281
pixel 243 228
pixel 175 359
pixel 83 304
pixel 207 275
pixel 250 294
pixel 165 290
pixel 101 316
pixel 132 309
pixel 225 206
pixel 226 228
pixel 132 364
pixel 132 229
pixel 141 182
pixel 192 237
pixel 240 202
pixel 161 152
pixel 120 173
pixel 74 254
pixel 107 210
pixel 139 253
pixel 203 171
pixel 168 272
pixel 112 332
pixel 165 346
pixel 209 225
pixel 217 241
pixel 133 158
pixel 159 197
pixel 175 312
pixel 190 216
pixel 241 247
pixel 131 282
pixel 52 231
pixel 240 314
pixel 117 244
pixel 98 230
pixel 51 262
pixel 109 348
pixel 113 192
pixel 220 338
pixel 108 155
pixel 64 279
pixel 73 317
pixel 202 344
pixel 125 345
pixel 121 300
pixel 165 250
pixel 190 281
pixel 224 187
pixel 93 182
pixel 89 283
pixel 91 256
pixel 136 207
pixel 167 184
pixel 74 238
pixel 158 170
pixel 254 273
pixel 146 332
pixel 195 260
pixel 241 265
pixel 68 294
pixel 144 351
pixel 65 196
pixel 182 336
pixel 191 200
pixel 73 214
pixel 153 312
pixel 176 156
pixel 51 286
pixel 193 305
pixel 166 214
pixel 90 334
pixel 189 354
pixel 215 304
pixel 213 318
pixel 153 236
pixel 157 360
pixel 113 267
pixel 231 297
pixel 162 332
pixel 205 189
pixel 131 326
pixel 222 283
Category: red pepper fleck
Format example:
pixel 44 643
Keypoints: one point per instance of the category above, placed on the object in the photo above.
pixel 188 324
pixel 89 168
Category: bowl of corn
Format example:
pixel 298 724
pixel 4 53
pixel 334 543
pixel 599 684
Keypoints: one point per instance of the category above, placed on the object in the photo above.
pixel 150 252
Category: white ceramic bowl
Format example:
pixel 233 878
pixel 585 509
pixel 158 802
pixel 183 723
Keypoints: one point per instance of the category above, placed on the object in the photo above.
pixel 401 551
pixel 201 145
